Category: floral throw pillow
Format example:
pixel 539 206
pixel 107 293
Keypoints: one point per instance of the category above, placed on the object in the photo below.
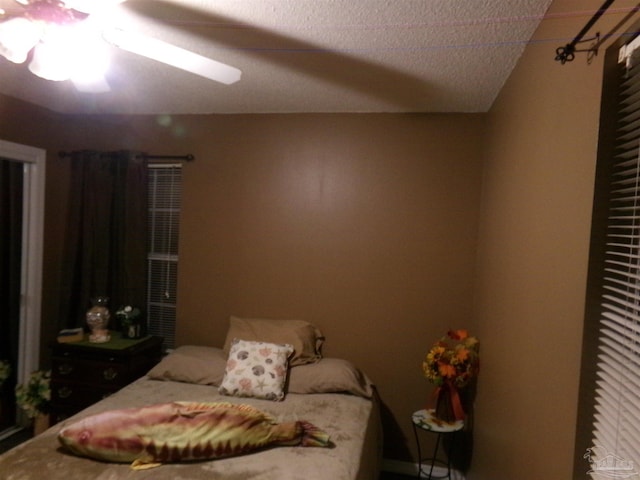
pixel 256 369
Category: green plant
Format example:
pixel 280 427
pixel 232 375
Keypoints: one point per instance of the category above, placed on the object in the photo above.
pixel 128 315
pixel 34 397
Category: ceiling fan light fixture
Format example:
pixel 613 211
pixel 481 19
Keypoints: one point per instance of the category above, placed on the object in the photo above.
pixel 54 58
pixel 91 65
pixel 50 62
pixel 91 85
pixel 17 37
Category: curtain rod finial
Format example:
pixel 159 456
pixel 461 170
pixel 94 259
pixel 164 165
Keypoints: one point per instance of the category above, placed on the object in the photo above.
pixel 565 54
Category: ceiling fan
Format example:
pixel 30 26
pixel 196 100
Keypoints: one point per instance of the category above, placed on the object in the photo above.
pixel 68 39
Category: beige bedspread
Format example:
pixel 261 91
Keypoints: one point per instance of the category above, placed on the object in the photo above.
pixel 353 423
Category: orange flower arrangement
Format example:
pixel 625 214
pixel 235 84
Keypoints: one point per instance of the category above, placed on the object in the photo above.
pixel 453 359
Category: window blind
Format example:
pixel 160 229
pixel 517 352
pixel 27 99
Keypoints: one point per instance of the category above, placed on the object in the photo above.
pixel 165 197
pixel 615 438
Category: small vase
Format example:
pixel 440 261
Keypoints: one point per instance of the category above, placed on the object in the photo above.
pixel 98 320
pixel 444 406
pixel 132 331
pixel 449 403
pixel 40 423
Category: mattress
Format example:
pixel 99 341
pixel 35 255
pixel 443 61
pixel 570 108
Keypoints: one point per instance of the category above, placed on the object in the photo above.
pixel 352 421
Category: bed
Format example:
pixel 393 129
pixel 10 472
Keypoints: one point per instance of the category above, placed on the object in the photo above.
pixel 331 393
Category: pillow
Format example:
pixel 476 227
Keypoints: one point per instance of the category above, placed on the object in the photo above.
pixel 206 366
pixel 192 364
pixel 256 369
pixel 305 338
pixel 330 375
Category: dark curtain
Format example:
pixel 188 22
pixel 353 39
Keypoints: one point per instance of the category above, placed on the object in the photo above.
pixel 11 195
pixel 106 242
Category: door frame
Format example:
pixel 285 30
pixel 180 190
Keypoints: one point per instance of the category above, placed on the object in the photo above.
pixel 33 160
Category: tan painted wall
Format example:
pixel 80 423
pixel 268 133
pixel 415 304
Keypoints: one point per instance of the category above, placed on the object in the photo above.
pixel 363 224
pixel 533 249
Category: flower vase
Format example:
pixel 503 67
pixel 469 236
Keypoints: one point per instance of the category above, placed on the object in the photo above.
pixel 40 423
pixel 449 406
pixel 444 405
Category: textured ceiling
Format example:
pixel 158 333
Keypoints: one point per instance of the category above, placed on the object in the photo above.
pixel 306 56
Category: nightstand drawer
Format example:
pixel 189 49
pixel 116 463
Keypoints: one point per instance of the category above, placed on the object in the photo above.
pixel 91 372
pixel 77 394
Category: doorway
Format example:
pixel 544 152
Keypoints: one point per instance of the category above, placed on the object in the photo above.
pixel 23 176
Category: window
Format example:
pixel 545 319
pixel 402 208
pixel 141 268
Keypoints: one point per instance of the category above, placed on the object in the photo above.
pixel 608 430
pixel 165 194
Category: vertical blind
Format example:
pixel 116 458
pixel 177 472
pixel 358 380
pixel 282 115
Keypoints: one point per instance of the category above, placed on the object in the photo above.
pixel 616 409
pixel 165 195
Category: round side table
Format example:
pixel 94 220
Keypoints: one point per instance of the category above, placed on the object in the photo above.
pixel 426 420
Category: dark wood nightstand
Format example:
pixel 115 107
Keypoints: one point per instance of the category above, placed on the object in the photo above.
pixel 83 373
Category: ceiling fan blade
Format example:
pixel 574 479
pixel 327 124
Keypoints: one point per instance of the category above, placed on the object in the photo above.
pixel 171 55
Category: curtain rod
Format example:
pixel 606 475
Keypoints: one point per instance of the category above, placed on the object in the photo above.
pixel 567 53
pixel 187 158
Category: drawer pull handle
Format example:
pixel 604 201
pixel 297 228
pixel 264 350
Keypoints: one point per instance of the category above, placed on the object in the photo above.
pixel 65 369
pixel 64 392
pixel 110 374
